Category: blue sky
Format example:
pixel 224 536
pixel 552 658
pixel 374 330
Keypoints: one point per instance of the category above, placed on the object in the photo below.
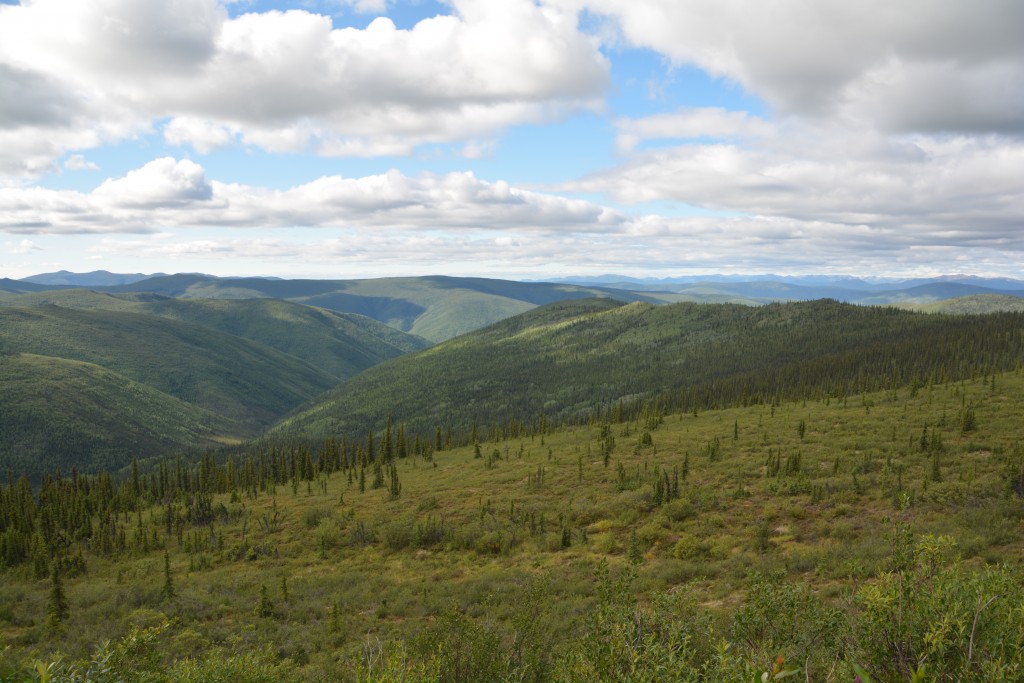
pixel 511 138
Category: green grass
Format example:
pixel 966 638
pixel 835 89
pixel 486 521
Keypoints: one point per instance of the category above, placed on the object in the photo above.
pixel 474 538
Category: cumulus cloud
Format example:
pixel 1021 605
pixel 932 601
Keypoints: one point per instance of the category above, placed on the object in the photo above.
pixel 960 190
pixel 386 222
pixel 284 81
pixel 77 162
pixel 913 66
pixel 21 247
pixel 159 184
pixel 176 193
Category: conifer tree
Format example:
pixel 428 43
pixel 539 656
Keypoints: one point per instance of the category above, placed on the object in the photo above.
pixel 387 447
pixel 167 592
pixel 265 608
pixel 395 488
pixel 57 609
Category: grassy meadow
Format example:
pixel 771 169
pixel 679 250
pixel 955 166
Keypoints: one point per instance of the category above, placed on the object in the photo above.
pixel 763 530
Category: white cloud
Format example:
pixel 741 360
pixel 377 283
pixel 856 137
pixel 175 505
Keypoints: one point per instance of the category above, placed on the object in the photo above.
pixel 646 246
pixel 162 183
pixel 916 65
pixel 365 6
pixel 176 193
pixel 284 81
pixel 77 162
pixel 22 247
pixel 691 122
pixel 856 214
pixel 963 190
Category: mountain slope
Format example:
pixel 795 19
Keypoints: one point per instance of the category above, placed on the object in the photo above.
pixel 58 413
pixel 247 383
pixel 570 359
pixel 9 286
pixel 342 344
pixel 97 278
pixel 433 307
pixel 972 304
pixel 766 291
pixel 337 343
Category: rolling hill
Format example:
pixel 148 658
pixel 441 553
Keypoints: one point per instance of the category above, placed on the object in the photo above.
pixel 200 384
pixel 66 414
pixel 433 307
pixel 341 344
pixel 569 360
pixel 9 286
pixel 756 292
pixel 438 308
pixel 972 304
pixel 97 278
pixel 245 382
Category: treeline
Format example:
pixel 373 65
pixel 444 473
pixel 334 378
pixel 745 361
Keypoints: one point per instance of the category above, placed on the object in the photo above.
pixel 102 514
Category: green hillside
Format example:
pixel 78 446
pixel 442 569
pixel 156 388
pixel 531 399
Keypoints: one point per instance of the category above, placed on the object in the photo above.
pixel 341 344
pixel 433 307
pixel 246 383
pixel 878 536
pixel 66 414
pixel 572 359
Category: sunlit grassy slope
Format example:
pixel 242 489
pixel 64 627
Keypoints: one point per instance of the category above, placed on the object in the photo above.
pixel 809 489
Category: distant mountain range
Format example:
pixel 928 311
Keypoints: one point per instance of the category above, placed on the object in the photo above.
pixel 439 307
pixel 842 281
pixel 433 307
pixel 97 278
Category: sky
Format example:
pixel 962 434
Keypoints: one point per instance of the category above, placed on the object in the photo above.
pixel 523 139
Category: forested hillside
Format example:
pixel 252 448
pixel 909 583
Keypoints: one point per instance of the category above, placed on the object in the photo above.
pixel 93 379
pixel 573 361
pixel 66 414
pixel 245 382
pixel 341 344
pixel 972 305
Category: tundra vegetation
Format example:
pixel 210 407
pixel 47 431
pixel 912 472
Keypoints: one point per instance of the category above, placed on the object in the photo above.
pixel 875 533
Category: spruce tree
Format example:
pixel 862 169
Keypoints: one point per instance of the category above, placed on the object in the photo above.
pixel 167 592
pixel 57 609
pixel 265 608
